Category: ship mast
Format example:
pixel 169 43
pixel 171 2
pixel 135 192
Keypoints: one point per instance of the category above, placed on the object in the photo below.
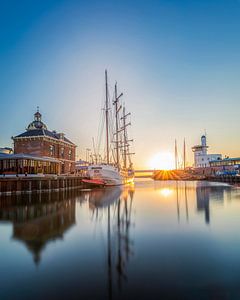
pixel 184 154
pixel 125 138
pixel 176 155
pixel 107 117
pixel 117 109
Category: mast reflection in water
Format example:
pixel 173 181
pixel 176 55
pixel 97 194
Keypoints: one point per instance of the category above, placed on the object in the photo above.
pixel 159 240
pixel 116 203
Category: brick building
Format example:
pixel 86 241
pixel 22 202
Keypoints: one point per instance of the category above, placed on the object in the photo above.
pixel 37 140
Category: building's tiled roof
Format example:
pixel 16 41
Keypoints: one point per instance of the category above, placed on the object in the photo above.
pixel 42 132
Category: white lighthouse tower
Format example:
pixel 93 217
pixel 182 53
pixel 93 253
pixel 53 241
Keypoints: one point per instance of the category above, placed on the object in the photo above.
pixel 201 157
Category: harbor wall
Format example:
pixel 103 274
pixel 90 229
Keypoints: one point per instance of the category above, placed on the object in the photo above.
pixel 224 178
pixel 18 185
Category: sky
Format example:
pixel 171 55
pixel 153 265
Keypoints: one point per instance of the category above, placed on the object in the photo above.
pixel 176 62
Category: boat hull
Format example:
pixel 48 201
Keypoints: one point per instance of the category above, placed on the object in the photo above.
pixel 110 175
pixel 92 182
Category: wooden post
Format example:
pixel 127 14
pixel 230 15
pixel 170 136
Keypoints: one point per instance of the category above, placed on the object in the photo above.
pixel 18 189
pixel 30 186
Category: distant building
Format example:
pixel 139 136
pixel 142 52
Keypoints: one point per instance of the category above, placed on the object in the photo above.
pixel 40 142
pixel 81 167
pixel 6 150
pixel 226 165
pixel 201 158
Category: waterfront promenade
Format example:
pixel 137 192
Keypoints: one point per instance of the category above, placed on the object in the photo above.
pixel 54 183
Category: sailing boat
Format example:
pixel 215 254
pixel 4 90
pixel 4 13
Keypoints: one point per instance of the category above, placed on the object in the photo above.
pixel 111 173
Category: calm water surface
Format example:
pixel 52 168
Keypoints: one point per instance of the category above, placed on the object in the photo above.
pixel 154 240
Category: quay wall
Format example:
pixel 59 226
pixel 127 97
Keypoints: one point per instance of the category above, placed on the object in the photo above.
pixel 19 185
pixel 224 178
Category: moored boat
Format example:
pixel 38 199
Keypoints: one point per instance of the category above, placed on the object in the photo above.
pixel 117 169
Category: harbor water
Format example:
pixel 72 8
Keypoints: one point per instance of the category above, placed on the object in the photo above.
pixel 151 240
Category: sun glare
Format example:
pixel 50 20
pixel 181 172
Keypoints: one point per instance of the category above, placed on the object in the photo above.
pixel 166 192
pixel 162 161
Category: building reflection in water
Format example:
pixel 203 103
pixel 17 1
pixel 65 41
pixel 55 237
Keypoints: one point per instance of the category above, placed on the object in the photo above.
pixel 202 197
pixel 206 192
pixel 115 206
pixel 39 218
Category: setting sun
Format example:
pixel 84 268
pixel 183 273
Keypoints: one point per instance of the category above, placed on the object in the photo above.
pixel 162 161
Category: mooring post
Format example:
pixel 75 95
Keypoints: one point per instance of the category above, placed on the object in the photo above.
pixel 30 186
pixel 18 189
pixel 58 185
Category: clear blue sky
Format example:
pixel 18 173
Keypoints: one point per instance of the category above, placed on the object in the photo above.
pixel 177 62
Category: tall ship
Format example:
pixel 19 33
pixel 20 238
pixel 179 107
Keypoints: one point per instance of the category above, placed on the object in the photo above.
pixel 115 166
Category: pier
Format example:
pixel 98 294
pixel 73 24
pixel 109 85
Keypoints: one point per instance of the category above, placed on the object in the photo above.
pixel 143 173
pixel 181 175
pixel 21 185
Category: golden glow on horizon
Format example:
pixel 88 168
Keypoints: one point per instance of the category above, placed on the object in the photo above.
pixel 162 161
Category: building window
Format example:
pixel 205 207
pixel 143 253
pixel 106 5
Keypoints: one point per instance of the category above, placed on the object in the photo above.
pixel 70 154
pixel 62 152
pixel 52 150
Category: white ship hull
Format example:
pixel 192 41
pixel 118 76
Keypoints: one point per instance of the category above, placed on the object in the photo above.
pixel 110 174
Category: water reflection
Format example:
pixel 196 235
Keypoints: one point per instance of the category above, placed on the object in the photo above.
pixel 116 205
pixel 38 219
pixel 206 191
pixel 122 243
